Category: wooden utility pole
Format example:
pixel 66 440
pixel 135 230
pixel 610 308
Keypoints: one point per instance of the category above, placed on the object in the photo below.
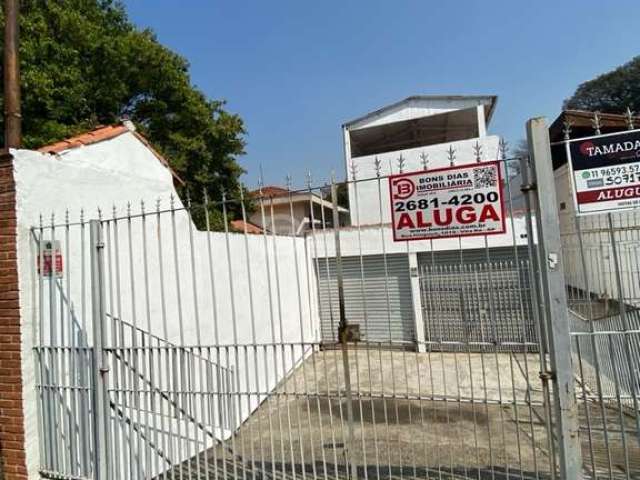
pixel 12 452
pixel 12 116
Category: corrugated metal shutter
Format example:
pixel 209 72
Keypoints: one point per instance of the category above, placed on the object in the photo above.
pixel 474 300
pixel 471 256
pixel 378 300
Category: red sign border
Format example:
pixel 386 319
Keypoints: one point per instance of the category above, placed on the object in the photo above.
pixel 442 169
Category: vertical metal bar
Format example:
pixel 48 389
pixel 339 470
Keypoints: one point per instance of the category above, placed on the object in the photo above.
pixel 282 362
pixel 534 280
pixel 167 441
pixel 101 368
pixel 216 338
pixel 200 396
pixel 303 366
pixel 343 332
pixel 134 352
pixel 556 302
pixel 314 355
pixel 366 312
pixel 254 348
pixel 236 352
pixel 628 356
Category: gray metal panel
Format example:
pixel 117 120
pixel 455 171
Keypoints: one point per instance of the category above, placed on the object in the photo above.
pixel 377 298
pixel 471 256
pixel 467 298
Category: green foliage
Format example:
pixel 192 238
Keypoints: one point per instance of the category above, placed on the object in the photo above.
pixel 83 63
pixel 611 92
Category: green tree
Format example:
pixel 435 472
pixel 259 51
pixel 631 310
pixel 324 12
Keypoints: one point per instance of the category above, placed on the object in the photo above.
pixel 83 63
pixel 611 92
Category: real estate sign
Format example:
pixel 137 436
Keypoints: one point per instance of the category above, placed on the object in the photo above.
pixel 447 202
pixel 49 259
pixel 605 172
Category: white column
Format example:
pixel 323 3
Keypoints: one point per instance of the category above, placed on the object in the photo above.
pixel 482 123
pixel 417 300
pixel 346 150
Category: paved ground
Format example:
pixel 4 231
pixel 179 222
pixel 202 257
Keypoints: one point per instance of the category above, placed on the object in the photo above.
pixel 437 415
pixel 440 415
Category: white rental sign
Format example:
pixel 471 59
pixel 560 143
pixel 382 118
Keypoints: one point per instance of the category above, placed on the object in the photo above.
pixel 605 172
pixel 447 202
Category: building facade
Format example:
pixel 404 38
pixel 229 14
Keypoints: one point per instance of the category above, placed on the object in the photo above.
pixel 401 292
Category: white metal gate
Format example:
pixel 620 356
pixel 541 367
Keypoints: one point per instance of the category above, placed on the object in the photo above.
pixel 167 351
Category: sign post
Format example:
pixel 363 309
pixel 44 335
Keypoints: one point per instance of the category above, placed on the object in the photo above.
pixel 447 202
pixel 605 172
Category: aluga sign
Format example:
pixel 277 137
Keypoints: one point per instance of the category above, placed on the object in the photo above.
pixel 447 202
pixel 605 171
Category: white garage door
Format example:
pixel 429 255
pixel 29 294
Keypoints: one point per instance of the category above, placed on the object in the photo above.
pixel 377 294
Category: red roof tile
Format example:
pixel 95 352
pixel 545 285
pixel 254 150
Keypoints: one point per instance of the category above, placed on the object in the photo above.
pixel 271 191
pixel 100 134
pixel 96 135
pixel 239 226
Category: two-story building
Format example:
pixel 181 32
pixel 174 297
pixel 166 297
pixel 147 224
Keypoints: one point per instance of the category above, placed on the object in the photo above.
pixel 414 293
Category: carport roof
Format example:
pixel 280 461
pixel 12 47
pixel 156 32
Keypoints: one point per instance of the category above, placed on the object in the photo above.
pixel 489 101
pixel 580 123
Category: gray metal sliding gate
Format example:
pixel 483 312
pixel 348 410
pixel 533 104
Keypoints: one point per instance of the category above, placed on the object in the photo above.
pixel 170 351
pixel 479 296
pixel 602 276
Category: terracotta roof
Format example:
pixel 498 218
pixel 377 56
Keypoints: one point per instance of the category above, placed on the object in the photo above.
pixel 271 191
pixel 96 135
pixel 239 226
pixel 100 134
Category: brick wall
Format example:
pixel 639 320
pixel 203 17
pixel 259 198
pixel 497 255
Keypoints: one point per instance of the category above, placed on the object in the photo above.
pixel 12 454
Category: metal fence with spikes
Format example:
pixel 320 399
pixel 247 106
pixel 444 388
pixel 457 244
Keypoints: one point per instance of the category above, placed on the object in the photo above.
pixel 306 343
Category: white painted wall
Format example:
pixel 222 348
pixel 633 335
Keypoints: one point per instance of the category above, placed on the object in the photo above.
pixel 374 240
pixel 365 194
pixel 596 244
pixel 123 170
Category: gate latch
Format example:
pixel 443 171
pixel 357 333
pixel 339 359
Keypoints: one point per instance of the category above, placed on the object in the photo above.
pixel 546 375
pixel 349 333
pixel 552 258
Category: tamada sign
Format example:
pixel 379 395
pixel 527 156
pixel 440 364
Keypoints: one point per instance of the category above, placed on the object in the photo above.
pixel 605 172
pixel 447 202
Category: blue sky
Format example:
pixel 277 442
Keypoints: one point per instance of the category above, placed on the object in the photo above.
pixel 296 70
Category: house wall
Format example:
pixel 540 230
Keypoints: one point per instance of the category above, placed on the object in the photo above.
pixel 282 213
pixel 596 250
pixel 374 240
pixel 365 194
pixel 123 170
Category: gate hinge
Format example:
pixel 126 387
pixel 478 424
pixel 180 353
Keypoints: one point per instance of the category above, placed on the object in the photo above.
pixel 546 376
pixel 528 187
